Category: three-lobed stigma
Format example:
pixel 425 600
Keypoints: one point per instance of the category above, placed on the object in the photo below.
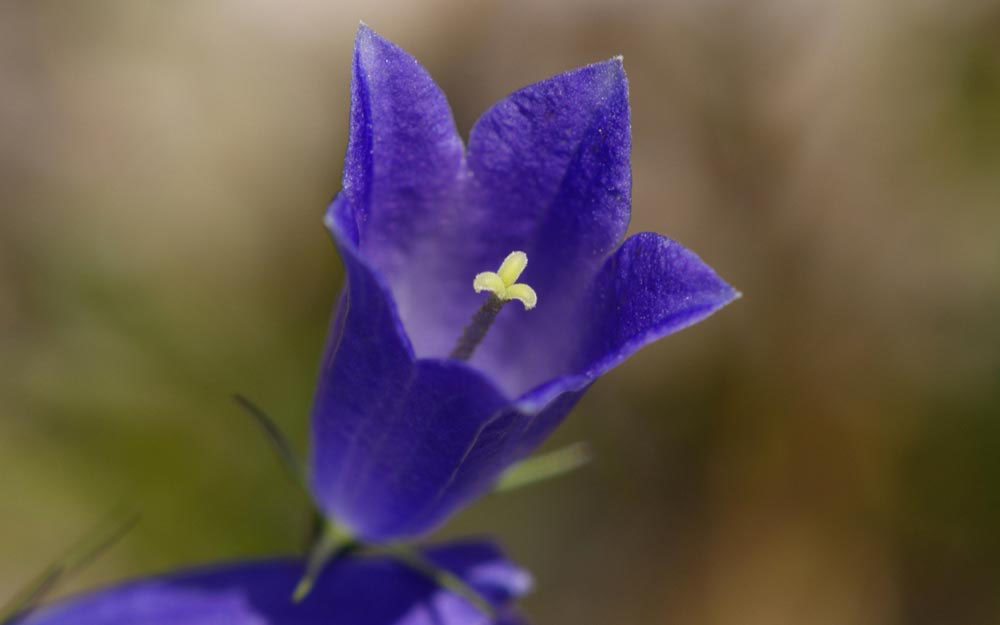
pixel 503 283
pixel 503 287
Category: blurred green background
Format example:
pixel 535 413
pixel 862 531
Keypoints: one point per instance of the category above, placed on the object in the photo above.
pixel 824 451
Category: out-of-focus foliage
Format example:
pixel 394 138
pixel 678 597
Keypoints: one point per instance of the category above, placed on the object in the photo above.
pixel 824 451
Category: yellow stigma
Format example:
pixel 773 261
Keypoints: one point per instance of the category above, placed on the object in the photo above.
pixel 503 282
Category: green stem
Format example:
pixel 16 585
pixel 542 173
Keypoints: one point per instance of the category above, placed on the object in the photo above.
pixel 334 542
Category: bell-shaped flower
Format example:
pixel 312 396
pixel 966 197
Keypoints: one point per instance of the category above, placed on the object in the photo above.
pixel 418 409
pixel 350 591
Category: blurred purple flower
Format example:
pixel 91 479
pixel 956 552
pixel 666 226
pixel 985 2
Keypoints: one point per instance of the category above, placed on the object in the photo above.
pixel 403 435
pixel 351 591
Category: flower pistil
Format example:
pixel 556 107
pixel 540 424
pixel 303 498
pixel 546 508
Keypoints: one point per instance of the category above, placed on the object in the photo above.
pixel 503 283
pixel 503 287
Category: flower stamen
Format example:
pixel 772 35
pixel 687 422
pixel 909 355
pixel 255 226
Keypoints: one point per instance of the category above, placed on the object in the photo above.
pixel 503 287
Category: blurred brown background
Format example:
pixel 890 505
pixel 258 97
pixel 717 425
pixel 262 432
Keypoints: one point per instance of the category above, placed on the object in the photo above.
pixel 824 451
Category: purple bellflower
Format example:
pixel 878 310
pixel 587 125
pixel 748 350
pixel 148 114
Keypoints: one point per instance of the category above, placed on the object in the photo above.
pixel 409 422
pixel 350 591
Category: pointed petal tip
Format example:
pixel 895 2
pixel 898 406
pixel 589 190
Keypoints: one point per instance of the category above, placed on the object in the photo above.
pixel 369 41
pixel 727 292
pixel 608 76
pixel 376 56
pixel 600 76
pixel 515 581
pixel 615 65
pixel 495 570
